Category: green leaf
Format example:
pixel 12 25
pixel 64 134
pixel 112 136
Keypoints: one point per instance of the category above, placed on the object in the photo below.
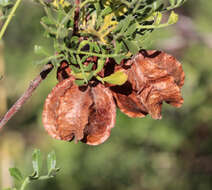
pixel 37 162
pixel 96 47
pixel 106 11
pixel 156 5
pixel 49 13
pixel 73 59
pixel 119 58
pixel 60 15
pixel 75 69
pixel 119 27
pixel 158 18
pixel 118 46
pixel 132 46
pixel 117 78
pixel 100 66
pixel 173 18
pixel 6 3
pixel 62 33
pixel 48 21
pixel 144 41
pixel 51 161
pixel 131 29
pixel 79 82
pixel 172 2
pixel 98 8
pixel 40 50
pixel 126 24
pixel 75 39
pixel 16 173
pixel 50 30
pixel 89 67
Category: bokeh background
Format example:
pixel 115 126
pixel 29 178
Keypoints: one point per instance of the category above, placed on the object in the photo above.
pixel 141 154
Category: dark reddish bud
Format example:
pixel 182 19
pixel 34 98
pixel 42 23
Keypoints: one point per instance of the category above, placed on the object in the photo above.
pixel 63 71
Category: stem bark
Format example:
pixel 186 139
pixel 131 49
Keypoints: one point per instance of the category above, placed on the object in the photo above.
pixel 76 17
pixel 27 94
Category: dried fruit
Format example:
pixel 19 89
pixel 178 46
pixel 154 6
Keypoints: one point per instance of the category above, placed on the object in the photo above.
pixel 153 77
pixel 101 117
pixel 87 113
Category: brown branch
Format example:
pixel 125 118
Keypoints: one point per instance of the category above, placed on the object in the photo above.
pixel 76 17
pixel 27 94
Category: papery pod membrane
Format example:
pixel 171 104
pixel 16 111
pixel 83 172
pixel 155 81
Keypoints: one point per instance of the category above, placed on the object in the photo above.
pixel 85 113
pixel 153 80
pixel 127 101
pixel 102 116
pixel 167 62
pixel 66 111
pixel 73 113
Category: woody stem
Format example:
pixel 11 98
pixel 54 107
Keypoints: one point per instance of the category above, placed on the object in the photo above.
pixel 26 95
pixel 76 16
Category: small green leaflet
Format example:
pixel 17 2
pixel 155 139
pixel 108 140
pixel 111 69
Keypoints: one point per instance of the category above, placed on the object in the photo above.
pixel 51 161
pixel 36 162
pixel 173 18
pixel 16 173
pixel 117 78
pixel 51 164
pixel 40 51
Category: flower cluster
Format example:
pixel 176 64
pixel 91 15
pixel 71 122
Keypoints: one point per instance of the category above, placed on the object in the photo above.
pixel 87 113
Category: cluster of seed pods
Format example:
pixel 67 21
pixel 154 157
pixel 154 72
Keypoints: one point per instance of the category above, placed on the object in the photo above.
pixel 88 113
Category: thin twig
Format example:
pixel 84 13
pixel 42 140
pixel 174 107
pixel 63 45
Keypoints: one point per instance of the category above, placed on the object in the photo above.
pixel 76 16
pixel 9 18
pixel 27 94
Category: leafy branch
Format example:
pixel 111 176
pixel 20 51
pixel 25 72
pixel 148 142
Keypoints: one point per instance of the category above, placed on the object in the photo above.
pixel 103 28
pixel 52 170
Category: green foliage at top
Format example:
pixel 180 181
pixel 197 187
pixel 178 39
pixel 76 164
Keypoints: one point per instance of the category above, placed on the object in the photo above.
pixel 103 28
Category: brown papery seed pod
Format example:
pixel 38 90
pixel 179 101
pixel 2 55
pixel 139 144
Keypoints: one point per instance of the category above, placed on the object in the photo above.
pixel 85 113
pixel 153 77
pixel 102 116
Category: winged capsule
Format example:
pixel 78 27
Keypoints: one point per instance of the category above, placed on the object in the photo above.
pixel 154 77
pixel 87 113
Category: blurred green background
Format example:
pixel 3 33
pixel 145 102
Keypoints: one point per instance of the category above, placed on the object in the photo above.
pixel 141 154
